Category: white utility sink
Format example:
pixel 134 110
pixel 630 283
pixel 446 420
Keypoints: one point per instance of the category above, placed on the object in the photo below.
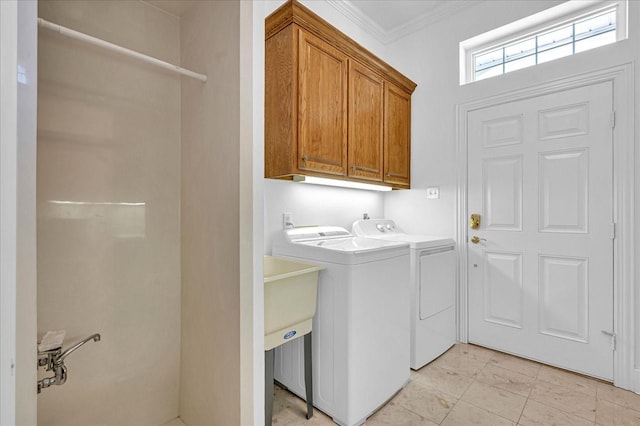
pixel 290 290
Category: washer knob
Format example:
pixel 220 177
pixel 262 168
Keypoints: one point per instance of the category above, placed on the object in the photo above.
pixel 380 227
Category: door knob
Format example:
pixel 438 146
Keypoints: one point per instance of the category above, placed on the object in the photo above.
pixel 475 239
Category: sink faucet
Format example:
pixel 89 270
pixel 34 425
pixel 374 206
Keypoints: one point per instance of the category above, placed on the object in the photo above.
pixel 95 337
pixel 53 360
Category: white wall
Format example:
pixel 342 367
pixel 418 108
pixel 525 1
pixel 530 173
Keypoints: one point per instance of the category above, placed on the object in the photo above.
pixel 314 205
pixel 251 219
pixel 326 11
pixel 215 244
pixel 430 57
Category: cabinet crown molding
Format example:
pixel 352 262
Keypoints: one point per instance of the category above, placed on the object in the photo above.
pixel 292 12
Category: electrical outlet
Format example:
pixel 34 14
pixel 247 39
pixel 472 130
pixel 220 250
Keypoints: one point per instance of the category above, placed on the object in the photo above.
pixel 433 192
pixel 287 220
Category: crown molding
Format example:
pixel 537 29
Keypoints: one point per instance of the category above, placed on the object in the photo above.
pixel 355 15
pixel 440 12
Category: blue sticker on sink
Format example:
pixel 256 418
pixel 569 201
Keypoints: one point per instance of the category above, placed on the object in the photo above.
pixel 290 334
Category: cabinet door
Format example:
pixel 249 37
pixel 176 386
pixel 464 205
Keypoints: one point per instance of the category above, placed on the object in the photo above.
pixel 322 107
pixel 397 135
pixel 366 96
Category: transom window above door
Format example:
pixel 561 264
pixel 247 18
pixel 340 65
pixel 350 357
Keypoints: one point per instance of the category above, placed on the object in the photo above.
pixel 546 36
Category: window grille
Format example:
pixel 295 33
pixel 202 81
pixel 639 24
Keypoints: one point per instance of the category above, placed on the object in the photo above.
pixel 546 44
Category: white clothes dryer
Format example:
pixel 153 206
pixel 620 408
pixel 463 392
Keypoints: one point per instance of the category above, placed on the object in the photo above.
pixel 433 287
pixel 361 327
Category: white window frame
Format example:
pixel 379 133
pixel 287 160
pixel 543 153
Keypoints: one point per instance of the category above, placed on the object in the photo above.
pixel 535 24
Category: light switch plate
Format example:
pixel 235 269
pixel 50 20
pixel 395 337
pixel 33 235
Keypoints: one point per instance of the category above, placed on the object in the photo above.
pixel 433 192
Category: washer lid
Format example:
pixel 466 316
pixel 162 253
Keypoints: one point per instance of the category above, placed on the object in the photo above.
pixel 335 244
pixel 387 230
pixel 355 245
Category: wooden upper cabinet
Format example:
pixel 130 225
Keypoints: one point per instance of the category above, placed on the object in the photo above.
pixel 332 108
pixel 322 107
pixel 397 135
pixel 366 102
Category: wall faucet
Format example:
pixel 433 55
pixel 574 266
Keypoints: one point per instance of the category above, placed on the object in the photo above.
pixel 53 360
pixel 60 360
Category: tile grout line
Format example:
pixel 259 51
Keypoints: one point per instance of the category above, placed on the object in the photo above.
pixel 529 394
pixel 504 390
pixel 621 405
pixel 459 399
pixel 475 380
pixel 570 389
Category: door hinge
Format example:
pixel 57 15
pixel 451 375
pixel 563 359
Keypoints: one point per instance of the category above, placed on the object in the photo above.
pixel 613 338
pixel 613 119
pixel 613 230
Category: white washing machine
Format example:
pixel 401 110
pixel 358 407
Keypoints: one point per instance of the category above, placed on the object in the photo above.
pixel 433 287
pixel 361 326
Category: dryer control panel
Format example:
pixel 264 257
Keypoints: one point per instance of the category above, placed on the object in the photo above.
pixel 374 227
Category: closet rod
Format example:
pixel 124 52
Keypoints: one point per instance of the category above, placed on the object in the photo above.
pixel 114 47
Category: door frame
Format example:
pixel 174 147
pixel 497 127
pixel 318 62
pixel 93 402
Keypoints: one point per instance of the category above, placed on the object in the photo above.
pixel 8 205
pixel 625 309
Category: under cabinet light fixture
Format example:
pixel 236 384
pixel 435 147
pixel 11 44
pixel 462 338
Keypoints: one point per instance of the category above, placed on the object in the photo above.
pixel 340 183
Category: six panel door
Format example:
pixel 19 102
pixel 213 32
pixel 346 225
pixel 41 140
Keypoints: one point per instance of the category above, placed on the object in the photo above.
pixel 541 278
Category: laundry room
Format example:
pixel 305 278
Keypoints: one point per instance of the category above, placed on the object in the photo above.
pixel 292 212
pixel 447 105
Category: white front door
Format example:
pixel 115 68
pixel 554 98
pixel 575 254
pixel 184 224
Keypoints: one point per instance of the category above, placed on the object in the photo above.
pixel 541 277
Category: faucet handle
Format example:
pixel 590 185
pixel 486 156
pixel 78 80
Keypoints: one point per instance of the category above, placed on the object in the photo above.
pixel 47 358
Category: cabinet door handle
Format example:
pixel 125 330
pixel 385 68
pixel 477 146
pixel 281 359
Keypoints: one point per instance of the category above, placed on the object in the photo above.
pixel 304 158
pixel 395 175
pixel 364 169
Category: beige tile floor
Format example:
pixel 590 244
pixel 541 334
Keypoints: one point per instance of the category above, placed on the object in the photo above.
pixel 470 385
